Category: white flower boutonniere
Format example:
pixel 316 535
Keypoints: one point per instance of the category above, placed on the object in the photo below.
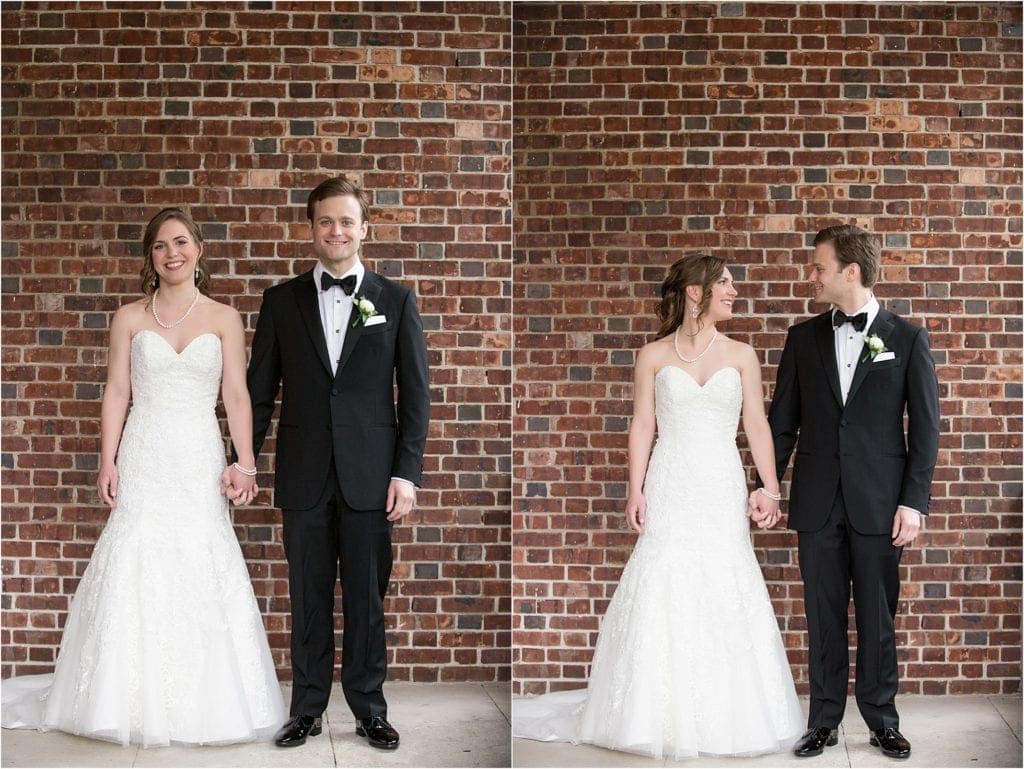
pixel 873 346
pixel 364 310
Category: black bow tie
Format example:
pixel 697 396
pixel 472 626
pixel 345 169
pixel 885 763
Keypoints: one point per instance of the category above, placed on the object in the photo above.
pixel 348 283
pixel 859 321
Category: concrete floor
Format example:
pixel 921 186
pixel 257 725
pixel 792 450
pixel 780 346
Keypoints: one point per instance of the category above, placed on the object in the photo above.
pixel 442 725
pixel 963 731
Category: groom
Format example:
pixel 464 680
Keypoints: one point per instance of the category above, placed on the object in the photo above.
pixel 349 453
pixel 861 483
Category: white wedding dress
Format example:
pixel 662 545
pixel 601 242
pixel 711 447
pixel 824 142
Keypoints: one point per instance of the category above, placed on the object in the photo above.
pixel 689 661
pixel 164 642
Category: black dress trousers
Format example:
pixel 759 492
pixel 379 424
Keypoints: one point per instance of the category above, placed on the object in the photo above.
pixel 322 543
pixel 832 558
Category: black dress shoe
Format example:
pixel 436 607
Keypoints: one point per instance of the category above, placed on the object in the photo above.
pixel 892 743
pixel 378 732
pixel 814 741
pixel 296 730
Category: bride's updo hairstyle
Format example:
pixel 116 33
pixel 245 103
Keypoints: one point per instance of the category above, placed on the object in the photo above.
pixel 150 280
pixel 692 270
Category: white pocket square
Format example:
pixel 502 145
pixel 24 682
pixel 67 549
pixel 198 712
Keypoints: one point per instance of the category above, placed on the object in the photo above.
pixel 376 320
pixel 884 356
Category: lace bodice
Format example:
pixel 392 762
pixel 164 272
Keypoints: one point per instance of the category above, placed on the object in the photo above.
pixel 170 383
pixel 689 413
pixel 695 458
pixel 164 642
pixel 689 661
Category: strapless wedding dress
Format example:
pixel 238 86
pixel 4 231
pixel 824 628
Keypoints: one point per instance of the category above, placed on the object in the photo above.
pixel 164 642
pixel 689 661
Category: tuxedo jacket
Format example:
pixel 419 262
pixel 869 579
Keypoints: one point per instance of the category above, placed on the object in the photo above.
pixel 353 415
pixel 862 445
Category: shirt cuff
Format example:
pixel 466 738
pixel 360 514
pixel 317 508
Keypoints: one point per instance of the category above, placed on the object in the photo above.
pixel 911 509
pixel 396 478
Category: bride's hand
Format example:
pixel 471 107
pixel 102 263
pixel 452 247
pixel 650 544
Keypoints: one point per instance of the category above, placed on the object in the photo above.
pixel 106 484
pixel 636 513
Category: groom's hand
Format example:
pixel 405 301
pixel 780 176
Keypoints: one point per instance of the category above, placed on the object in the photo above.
pixel 401 499
pixel 906 525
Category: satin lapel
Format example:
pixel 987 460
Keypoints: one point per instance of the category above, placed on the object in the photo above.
pixel 309 310
pixel 826 337
pixel 882 326
pixel 370 289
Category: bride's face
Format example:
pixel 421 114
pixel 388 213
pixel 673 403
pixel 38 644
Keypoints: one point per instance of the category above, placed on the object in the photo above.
pixel 723 294
pixel 175 253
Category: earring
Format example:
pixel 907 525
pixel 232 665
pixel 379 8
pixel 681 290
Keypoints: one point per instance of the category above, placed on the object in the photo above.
pixel 197 274
pixel 156 282
pixel 695 312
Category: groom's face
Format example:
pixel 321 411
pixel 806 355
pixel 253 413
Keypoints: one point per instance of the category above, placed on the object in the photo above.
pixel 338 232
pixel 829 283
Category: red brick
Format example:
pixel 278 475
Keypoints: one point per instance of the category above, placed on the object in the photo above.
pixel 99 91
pixel 589 260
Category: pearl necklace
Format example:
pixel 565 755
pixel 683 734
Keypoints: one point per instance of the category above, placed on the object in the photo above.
pixel 180 320
pixel 675 343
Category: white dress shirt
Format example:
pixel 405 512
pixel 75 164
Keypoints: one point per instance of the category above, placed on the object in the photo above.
pixel 850 346
pixel 336 309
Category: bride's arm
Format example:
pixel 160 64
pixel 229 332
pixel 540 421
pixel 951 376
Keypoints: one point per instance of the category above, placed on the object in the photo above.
pixel 641 437
pixel 114 408
pixel 759 433
pixel 238 407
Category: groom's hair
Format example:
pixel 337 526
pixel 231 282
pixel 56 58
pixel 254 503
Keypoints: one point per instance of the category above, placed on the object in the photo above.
pixel 338 187
pixel 854 246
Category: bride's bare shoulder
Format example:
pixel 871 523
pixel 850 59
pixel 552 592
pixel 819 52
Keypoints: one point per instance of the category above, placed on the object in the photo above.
pixel 133 310
pixel 739 353
pixel 223 319
pixel 735 345
pixel 654 355
pixel 221 310
pixel 655 349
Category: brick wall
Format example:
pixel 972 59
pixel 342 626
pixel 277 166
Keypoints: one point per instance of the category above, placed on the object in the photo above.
pixel 646 130
pixel 114 110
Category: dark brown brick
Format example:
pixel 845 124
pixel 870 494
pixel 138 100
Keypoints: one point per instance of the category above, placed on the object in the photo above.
pixel 110 114
pixel 772 140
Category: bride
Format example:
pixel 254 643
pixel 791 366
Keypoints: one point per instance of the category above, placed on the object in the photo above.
pixel 689 661
pixel 164 642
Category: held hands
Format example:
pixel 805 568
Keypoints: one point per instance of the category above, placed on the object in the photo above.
pixel 238 487
pixel 636 513
pixel 242 490
pixel 401 499
pixel 763 510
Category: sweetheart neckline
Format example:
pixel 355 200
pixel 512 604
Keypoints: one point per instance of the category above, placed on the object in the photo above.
pixel 178 353
pixel 692 378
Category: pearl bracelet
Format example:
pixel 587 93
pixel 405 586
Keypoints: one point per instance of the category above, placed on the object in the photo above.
pixel 244 470
pixel 774 497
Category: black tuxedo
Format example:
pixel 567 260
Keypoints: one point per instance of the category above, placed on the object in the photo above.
pixel 341 438
pixel 855 464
